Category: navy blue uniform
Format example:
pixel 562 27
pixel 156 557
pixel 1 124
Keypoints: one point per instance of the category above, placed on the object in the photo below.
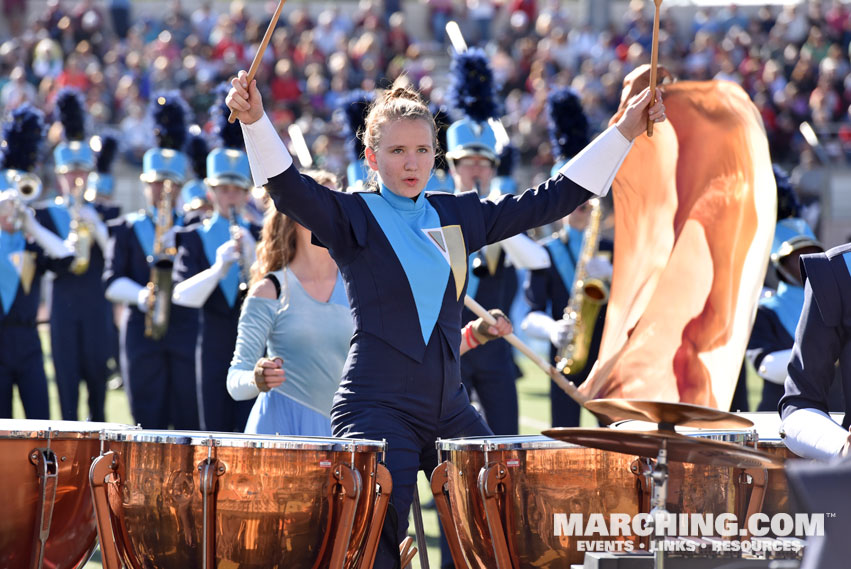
pixel 22 264
pixel 218 324
pixel 80 323
pixel 548 291
pixel 823 336
pixel 160 374
pixel 490 369
pixel 404 263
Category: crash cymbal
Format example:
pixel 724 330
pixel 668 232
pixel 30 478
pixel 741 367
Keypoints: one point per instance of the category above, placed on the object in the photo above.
pixel 680 448
pixel 668 414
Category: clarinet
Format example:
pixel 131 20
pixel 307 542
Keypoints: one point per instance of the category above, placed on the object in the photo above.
pixel 236 235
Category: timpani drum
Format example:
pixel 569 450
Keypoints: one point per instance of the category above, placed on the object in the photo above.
pixel 176 499
pixel 47 520
pixel 497 497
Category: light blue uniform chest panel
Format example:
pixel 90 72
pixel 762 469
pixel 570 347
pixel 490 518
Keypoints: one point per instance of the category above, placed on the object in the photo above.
pixel 11 244
pixel 404 222
pixel 564 263
pixel 787 304
pixel 213 233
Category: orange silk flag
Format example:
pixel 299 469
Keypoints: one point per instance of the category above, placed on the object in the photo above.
pixel 695 209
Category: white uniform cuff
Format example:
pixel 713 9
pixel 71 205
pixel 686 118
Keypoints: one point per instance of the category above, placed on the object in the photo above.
pixel 51 243
pixel 811 433
pixel 194 291
pixel 538 325
pixel 525 253
pixel 596 166
pixel 267 154
pixel 123 291
pixel 773 366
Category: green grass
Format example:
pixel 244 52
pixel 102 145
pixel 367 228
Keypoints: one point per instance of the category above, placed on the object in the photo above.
pixel 533 394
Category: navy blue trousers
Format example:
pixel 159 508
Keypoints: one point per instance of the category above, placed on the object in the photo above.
pixel 22 364
pixel 385 395
pixel 160 378
pixel 216 345
pixel 81 343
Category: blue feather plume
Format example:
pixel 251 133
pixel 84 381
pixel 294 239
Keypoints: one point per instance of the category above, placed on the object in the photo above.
pixel 107 154
pixel 22 139
pixel 197 150
pixel 507 160
pixel 355 107
pixel 568 124
pixel 230 133
pixel 472 90
pixel 170 114
pixel 787 199
pixel 71 111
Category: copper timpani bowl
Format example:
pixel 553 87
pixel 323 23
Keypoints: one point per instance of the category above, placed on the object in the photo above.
pixel 172 499
pixel 497 497
pixel 47 517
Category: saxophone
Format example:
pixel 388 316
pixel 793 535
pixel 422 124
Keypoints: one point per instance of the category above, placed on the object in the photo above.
pixel 81 233
pixel 242 263
pixel 586 299
pixel 160 285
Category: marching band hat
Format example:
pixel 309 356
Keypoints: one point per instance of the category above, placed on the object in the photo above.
pixel 228 166
pixel 159 164
pixel 790 235
pixel 473 95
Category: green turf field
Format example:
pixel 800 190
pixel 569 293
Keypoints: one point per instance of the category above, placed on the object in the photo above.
pixel 533 393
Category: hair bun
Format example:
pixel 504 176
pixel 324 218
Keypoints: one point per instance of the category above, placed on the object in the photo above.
pixel 402 93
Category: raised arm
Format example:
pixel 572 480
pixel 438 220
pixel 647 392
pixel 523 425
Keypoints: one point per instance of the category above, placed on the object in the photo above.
pixel 300 197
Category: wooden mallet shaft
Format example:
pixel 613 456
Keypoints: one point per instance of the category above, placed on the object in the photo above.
pixel 258 57
pixel 567 386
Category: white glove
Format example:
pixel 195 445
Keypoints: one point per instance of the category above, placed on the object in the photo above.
pixel 142 299
pixel 90 214
pixel 773 366
pixel 226 255
pixel 46 239
pixel 811 433
pixel 599 267
pixel 561 332
pixel 539 325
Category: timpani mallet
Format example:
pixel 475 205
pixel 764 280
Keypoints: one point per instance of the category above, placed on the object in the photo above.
pixel 654 62
pixel 258 57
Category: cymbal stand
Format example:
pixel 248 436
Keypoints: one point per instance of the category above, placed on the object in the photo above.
pixel 659 501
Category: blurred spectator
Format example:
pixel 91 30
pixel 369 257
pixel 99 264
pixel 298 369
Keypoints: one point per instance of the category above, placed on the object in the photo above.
pixel 17 91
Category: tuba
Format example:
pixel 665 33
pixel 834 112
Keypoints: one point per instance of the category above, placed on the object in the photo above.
pixel 161 284
pixel 586 299
pixel 81 233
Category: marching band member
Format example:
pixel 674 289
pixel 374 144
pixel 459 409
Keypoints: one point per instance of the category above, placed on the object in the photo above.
pixel 773 333
pixel 297 302
pixel 552 287
pixel 80 316
pixel 354 107
pixel 213 263
pixel 27 251
pixel 403 255
pixel 492 279
pixel 821 340
pixel 157 339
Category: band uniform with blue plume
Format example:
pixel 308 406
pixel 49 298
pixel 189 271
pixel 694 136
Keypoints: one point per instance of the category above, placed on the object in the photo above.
pixel 228 164
pixel 472 94
pixel 568 126
pixel 23 135
pixel 106 148
pixel 440 180
pixel 73 152
pixel 355 107
pixel 170 116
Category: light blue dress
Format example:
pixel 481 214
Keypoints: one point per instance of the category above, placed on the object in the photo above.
pixel 312 338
